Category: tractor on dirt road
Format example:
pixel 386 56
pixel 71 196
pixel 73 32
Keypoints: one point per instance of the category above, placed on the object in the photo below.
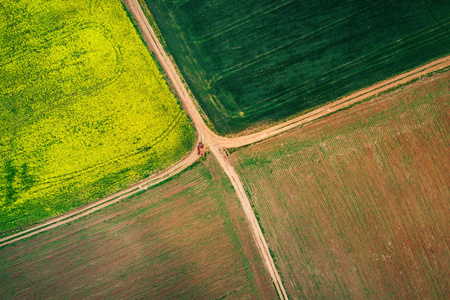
pixel 200 148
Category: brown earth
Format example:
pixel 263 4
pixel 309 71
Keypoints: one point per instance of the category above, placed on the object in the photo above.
pixel 167 243
pixel 356 205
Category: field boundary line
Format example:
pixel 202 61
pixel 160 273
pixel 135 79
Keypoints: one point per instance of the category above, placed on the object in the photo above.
pixel 143 185
pixel 252 221
pixel 331 107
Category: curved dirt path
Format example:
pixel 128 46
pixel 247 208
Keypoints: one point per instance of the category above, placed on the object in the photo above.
pixel 218 143
pixel 334 106
pixel 97 205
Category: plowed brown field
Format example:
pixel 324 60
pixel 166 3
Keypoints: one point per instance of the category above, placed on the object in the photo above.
pixel 185 239
pixel 357 204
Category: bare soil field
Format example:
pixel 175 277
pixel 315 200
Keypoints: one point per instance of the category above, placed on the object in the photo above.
pixel 357 204
pixel 186 238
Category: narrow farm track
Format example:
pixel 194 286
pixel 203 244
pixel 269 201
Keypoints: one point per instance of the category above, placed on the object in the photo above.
pixel 97 205
pixel 217 143
pixel 251 219
pixel 208 137
pixel 333 106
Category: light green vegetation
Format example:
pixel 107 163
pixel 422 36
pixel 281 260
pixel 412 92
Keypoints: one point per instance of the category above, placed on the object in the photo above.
pixel 184 239
pixel 356 205
pixel 84 110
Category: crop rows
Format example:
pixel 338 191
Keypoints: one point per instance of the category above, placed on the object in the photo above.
pixel 356 204
pixel 258 61
pixel 186 238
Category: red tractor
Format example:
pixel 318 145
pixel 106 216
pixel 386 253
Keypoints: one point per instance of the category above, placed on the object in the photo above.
pixel 200 148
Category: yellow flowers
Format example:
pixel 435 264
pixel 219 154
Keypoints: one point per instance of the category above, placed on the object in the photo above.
pixel 83 108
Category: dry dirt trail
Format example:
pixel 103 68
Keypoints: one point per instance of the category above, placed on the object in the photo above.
pixel 344 102
pixel 217 143
pixel 97 205
pixel 209 138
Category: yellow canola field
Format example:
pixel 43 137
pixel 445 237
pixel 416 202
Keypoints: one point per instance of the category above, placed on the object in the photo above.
pixel 84 110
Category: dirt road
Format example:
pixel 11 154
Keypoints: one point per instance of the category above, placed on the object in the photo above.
pixel 208 138
pixel 251 219
pixel 88 209
pixel 333 106
pixel 217 143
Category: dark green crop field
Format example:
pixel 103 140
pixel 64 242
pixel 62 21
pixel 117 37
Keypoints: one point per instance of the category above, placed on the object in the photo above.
pixel 253 61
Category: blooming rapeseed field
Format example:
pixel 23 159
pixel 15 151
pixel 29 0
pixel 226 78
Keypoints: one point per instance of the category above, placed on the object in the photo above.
pixel 84 110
